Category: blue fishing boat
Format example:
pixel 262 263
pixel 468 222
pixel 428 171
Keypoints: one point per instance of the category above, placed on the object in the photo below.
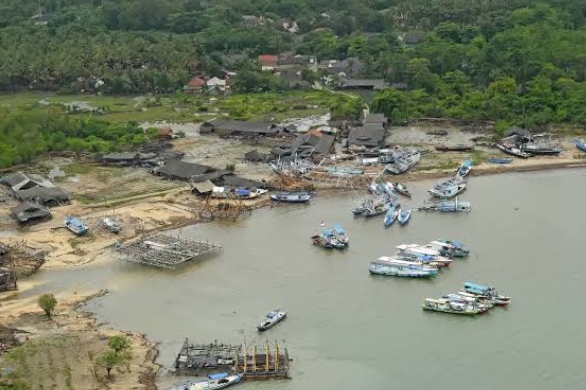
pixel 486 291
pixel 341 234
pixel 465 168
pixel 327 239
pixel 499 160
pixel 458 249
pixel 291 197
pixel 404 216
pixel 580 144
pixel 391 215
pixel 76 226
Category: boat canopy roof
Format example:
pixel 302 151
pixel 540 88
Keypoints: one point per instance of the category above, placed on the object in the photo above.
pixel 338 228
pixel 476 287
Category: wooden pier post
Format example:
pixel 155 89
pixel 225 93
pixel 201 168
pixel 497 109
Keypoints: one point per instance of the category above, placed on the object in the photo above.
pixel 268 355
pixel 245 357
pixel 276 355
pixel 254 359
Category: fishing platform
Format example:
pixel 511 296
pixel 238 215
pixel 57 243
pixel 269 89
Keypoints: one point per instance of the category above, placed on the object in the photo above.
pixel 164 251
pixel 253 362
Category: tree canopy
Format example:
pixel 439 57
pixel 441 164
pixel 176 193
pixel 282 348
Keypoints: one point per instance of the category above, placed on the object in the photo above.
pixel 467 58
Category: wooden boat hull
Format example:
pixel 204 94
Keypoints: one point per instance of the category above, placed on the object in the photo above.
pixel 291 199
pixel 513 151
pixel 542 152
pixel 499 160
pixel 454 148
pixel 402 189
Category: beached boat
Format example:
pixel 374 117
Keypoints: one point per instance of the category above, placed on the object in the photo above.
pixel 499 160
pixel 539 150
pixel 465 168
pixel 404 216
pixel 402 189
pixel 291 197
pixel 391 215
pixel 486 291
pixel 76 226
pixel 447 306
pixel 341 234
pixel 272 319
pixel 213 382
pixel 359 210
pixel 580 144
pixel 513 151
pixel 437 132
pixel 403 163
pixel 454 148
pixel 401 268
pixel 459 249
pixel 111 225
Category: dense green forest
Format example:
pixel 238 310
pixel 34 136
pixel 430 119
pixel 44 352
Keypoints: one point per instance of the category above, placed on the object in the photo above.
pixel 512 61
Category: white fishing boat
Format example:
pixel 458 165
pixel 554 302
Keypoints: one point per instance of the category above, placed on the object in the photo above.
pixel 401 269
pixel 213 382
pixel 111 225
pixel 448 306
pixel 272 319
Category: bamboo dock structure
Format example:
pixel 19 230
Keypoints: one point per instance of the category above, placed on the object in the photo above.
pixel 165 251
pixel 254 363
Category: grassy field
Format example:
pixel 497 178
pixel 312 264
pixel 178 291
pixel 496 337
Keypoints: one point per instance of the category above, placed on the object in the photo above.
pixel 184 108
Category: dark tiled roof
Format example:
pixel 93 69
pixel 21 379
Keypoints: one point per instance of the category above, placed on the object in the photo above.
pixel 14 179
pixel 364 136
pixel 43 195
pixel 182 170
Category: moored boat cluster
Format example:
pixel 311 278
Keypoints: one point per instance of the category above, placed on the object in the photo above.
pixel 419 261
pixel 471 300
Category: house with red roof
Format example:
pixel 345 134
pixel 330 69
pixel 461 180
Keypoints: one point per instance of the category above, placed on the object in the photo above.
pixel 195 86
pixel 268 62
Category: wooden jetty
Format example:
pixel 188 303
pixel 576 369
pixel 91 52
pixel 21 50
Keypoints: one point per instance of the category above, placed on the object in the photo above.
pixel 254 363
pixel 165 251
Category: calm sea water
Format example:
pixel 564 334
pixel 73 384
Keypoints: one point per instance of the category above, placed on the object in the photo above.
pixel 349 330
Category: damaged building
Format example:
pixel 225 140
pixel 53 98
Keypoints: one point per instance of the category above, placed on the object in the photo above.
pixel 310 145
pixel 227 127
pixel 19 181
pixel 30 212
pixel 48 197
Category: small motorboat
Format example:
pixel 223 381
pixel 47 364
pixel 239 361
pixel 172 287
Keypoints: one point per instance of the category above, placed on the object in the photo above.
pixel 486 292
pixel 459 249
pixel 402 189
pixel 448 206
pixel 513 151
pixel 448 192
pixel 328 239
pixel 580 144
pixel 111 225
pixel 465 168
pixel 341 234
pixel 499 160
pixel 404 216
pixel 214 382
pixel 391 215
pixel 272 319
pixel 76 226
pixel 359 210
pixel 407 269
pixel 291 197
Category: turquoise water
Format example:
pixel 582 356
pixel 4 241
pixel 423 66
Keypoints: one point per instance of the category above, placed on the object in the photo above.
pixel 347 329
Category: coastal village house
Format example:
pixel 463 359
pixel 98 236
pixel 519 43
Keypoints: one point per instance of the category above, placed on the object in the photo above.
pixel 195 86
pixel 28 212
pixel 181 170
pixel 268 62
pixel 370 135
pixel 227 127
pixel 373 84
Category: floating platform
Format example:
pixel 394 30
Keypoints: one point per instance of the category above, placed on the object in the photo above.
pixel 254 363
pixel 165 251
